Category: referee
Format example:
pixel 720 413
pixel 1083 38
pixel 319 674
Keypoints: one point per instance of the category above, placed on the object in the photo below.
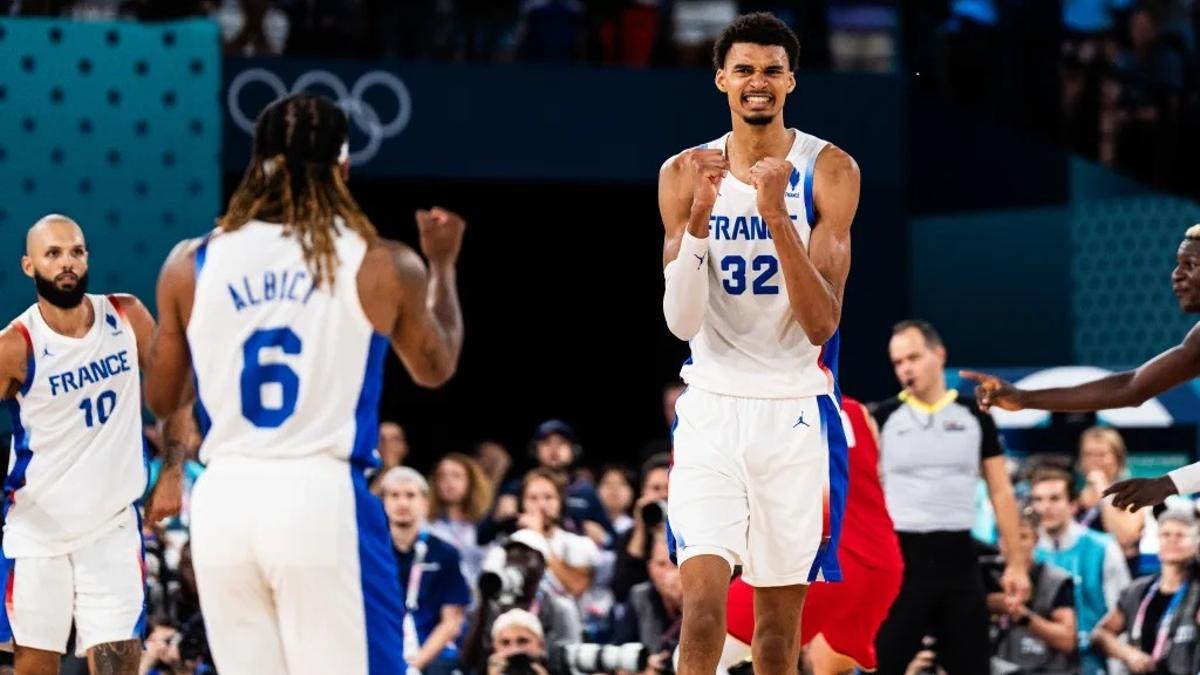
pixel 933 447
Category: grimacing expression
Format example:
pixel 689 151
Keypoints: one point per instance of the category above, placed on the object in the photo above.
pixel 756 80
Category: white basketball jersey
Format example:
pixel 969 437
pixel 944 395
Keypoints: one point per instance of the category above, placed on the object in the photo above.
pixel 283 368
pixel 77 435
pixel 750 345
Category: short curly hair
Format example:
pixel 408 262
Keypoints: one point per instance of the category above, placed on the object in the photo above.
pixel 760 28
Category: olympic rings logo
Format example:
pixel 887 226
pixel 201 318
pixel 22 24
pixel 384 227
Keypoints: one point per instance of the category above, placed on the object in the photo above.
pixel 362 114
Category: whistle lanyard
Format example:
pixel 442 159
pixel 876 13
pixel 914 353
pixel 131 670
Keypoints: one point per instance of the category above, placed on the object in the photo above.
pixel 1162 641
pixel 412 642
pixel 420 550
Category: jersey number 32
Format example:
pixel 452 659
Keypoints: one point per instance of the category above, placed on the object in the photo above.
pixel 765 267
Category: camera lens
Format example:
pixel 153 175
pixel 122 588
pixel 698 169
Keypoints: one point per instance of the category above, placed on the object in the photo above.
pixel 489 584
pixel 653 514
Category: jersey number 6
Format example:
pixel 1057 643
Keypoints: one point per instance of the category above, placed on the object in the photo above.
pixel 256 375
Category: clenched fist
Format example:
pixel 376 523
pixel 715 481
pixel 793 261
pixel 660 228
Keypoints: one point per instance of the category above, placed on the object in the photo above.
pixel 769 176
pixel 708 168
pixel 441 234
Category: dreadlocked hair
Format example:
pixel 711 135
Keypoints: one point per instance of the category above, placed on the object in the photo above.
pixel 294 179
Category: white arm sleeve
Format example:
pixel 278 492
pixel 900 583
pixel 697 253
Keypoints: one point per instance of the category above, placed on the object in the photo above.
pixel 1186 479
pixel 686 295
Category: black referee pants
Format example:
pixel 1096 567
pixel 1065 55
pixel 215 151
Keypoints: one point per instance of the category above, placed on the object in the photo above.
pixel 941 596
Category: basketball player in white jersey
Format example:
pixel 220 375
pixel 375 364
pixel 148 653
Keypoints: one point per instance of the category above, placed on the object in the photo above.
pixel 285 313
pixel 756 255
pixel 69 375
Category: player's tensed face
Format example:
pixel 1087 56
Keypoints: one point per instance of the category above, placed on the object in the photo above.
pixel 56 258
pixel 1185 279
pixel 756 79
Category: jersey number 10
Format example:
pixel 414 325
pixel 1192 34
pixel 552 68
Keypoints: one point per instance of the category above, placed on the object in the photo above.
pixel 255 374
pixel 101 410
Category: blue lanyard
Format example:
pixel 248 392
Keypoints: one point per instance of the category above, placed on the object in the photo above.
pixel 1162 640
pixel 421 548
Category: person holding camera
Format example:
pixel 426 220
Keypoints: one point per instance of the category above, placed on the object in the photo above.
pixel 162 649
pixel 172 649
pixel 520 648
pixel 1040 635
pixel 519 645
pixel 1157 613
pixel 572 557
pixel 436 594
pixel 654 613
pixel 926 661
pixel 648 515
pixel 512 579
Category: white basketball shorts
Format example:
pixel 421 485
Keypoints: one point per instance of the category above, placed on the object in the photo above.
pixel 101 587
pixel 295 568
pixel 761 483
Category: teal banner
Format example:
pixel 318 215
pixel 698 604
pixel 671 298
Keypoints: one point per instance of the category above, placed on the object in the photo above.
pixel 116 125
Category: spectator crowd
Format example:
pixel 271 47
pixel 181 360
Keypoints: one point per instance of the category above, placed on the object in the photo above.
pixel 548 561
